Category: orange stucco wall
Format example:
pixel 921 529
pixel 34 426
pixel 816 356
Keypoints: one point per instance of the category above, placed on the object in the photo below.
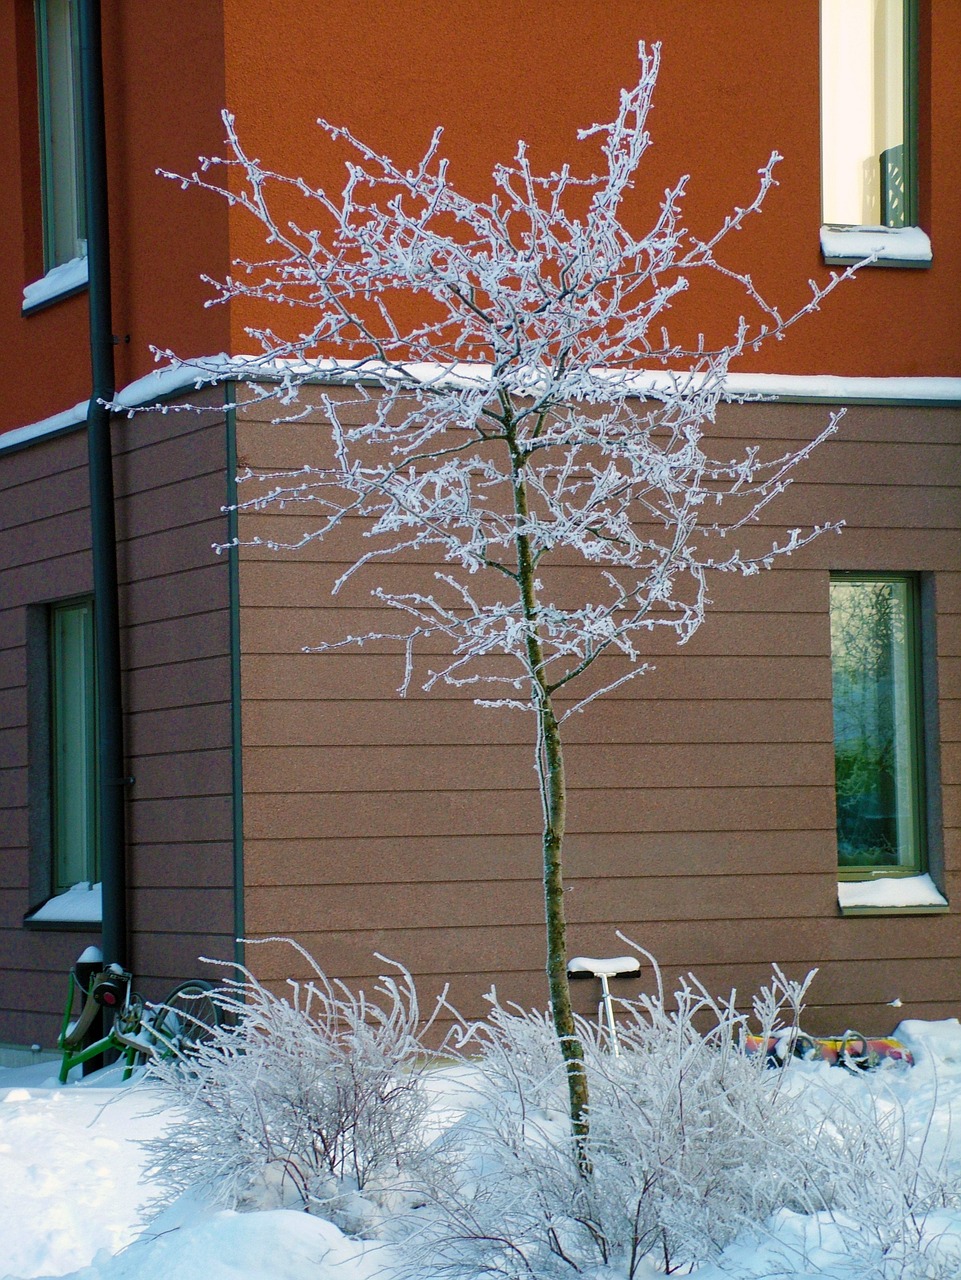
pixel 738 81
pixel 164 87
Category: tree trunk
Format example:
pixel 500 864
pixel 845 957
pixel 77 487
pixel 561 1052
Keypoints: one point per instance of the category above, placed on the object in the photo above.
pixel 553 787
pixel 554 790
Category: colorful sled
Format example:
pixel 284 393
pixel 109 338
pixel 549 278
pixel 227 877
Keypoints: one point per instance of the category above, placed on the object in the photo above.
pixel 852 1050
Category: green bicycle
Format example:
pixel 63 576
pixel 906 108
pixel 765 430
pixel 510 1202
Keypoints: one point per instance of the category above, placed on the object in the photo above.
pixel 140 1031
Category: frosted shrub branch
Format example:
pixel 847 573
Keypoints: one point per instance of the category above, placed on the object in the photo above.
pixel 535 416
pixel 311 1098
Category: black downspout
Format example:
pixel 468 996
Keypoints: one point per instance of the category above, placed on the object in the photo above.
pixel 113 869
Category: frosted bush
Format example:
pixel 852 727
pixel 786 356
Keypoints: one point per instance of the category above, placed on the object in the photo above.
pixel 312 1099
pixel 693 1143
pixel 691 1138
pixel 318 1100
pixel 886 1198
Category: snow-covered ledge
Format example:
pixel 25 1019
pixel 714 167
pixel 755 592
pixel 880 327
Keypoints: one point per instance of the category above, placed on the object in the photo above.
pixel 59 282
pixel 80 904
pixel 889 246
pixel 174 380
pixel 890 894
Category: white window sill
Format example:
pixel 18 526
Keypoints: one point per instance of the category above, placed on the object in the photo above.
pixel 890 894
pixel 59 282
pixel 80 904
pixel 891 246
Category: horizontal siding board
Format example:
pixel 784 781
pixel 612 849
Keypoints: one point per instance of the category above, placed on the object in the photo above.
pixel 174 729
pixel 195 682
pixel 589 902
pixel 192 865
pixel 176 550
pixel 860 546
pixel 29 544
pixel 13 708
pixel 419 859
pixel 501 768
pixel 13 785
pixel 192 498
pixel 776 424
pixel 275 631
pixel 204 819
pixel 45 458
pixel 175 776
pixel 183 910
pixel 56 577
pixel 344 722
pixel 484 813
pixel 178 594
pixel 798 944
pixel 172 957
pixel 199 635
pixel 678 675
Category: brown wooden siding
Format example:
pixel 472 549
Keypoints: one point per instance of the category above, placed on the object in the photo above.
pixel 170 481
pixel 701 816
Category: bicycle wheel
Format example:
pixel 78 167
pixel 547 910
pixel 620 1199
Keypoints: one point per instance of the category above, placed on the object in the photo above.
pixel 187 1018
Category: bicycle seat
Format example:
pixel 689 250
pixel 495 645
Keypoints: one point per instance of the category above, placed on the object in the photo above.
pixel 612 967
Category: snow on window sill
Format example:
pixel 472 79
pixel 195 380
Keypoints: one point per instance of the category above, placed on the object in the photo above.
pixel 890 894
pixel 80 904
pixel 59 282
pixel 891 246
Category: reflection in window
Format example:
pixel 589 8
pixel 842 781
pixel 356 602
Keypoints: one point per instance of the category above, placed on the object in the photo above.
pixel 73 744
pixel 867 141
pixel 58 65
pixel 876 724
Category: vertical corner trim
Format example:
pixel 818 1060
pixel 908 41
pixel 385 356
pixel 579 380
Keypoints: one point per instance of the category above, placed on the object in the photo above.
pixel 236 725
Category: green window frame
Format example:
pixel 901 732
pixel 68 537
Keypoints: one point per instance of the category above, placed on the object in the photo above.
pixel 61 132
pixel 73 746
pixel 869 113
pixel 878 724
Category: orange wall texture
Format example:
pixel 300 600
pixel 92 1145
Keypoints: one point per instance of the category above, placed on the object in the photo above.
pixel 164 87
pixel 737 81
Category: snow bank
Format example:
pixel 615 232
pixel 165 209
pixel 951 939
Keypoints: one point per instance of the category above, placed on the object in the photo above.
pixel 71 1171
pixel 275 1245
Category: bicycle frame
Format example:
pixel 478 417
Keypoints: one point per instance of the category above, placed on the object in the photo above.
pixel 140 1031
pixel 73 1031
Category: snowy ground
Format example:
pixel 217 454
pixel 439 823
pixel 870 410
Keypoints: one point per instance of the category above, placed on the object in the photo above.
pixel 73 1196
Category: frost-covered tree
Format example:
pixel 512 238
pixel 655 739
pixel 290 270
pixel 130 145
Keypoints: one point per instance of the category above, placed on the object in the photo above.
pixel 527 408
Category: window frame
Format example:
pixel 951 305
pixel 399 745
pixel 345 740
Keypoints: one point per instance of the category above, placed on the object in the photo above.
pixel 903 245
pixel 62 877
pixel 914 695
pixel 63 211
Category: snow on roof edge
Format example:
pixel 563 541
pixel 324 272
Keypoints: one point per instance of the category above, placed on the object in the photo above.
pixel 173 379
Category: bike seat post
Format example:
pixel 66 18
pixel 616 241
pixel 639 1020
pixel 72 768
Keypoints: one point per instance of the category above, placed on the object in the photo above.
pixel 604 969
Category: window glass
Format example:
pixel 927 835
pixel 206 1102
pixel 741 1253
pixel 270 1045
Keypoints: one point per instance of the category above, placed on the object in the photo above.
pixel 73 744
pixel 58 58
pixel 874 655
pixel 866 147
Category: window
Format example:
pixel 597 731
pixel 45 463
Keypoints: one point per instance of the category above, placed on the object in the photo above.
pixel 58 64
pixel 878 751
pixel 869 130
pixel 73 744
